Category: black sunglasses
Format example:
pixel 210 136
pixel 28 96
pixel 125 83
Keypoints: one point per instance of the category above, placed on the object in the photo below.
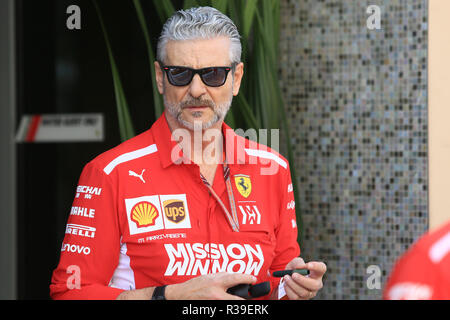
pixel 182 76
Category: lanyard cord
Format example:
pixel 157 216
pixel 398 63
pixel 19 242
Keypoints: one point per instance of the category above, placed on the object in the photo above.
pixel 232 218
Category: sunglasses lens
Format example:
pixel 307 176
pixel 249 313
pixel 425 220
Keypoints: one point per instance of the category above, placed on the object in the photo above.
pixel 214 77
pixel 180 76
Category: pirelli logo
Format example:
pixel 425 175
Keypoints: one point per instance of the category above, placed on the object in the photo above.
pixel 79 230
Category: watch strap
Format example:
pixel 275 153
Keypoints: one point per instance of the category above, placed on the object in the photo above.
pixel 159 293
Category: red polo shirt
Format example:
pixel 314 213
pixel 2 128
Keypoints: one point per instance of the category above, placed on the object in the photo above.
pixel 423 272
pixel 142 217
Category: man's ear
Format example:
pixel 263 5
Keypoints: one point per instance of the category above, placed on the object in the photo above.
pixel 159 75
pixel 238 74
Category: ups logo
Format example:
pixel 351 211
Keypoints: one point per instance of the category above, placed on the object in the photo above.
pixel 174 210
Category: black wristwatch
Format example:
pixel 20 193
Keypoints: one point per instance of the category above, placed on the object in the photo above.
pixel 158 293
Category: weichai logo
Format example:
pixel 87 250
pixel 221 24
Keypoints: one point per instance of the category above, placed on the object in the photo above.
pixel 199 258
pixel 144 214
pixel 174 210
pixel 88 191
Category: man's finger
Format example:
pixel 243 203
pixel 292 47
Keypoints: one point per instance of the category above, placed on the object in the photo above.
pixel 317 269
pixel 298 294
pixel 307 282
pixel 296 288
pixel 296 263
pixel 232 279
pixel 291 293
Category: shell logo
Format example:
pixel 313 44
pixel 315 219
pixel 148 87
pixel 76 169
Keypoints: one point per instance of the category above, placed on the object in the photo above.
pixel 144 214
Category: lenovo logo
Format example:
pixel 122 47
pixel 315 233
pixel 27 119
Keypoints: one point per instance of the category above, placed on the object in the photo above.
pixel 74 248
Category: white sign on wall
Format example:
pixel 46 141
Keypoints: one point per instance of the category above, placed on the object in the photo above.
pixel 61 128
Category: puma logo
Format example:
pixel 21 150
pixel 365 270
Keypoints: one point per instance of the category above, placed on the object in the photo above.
pixel 140 176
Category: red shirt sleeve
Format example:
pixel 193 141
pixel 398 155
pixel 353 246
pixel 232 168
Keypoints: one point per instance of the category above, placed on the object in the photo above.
pixel 287 247
pixel 90 249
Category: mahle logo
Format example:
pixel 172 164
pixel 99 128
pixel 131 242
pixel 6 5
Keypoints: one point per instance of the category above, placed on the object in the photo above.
pixel 144 214
pixel 174 210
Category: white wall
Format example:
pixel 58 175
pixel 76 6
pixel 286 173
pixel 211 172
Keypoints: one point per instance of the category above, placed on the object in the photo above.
pixel 439 111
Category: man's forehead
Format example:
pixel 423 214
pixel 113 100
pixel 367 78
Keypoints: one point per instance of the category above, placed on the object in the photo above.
pixel 199 53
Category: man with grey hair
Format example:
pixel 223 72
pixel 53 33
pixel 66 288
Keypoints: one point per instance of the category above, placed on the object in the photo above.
pixel 158 217
pixel 189 27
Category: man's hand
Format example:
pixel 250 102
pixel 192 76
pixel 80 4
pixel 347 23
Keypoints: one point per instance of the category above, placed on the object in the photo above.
pixel 208 287
pixel 300 287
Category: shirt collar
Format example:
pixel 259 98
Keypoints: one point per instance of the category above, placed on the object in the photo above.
pixel 170 151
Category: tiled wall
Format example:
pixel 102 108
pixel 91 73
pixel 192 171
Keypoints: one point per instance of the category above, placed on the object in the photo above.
pixel 357 102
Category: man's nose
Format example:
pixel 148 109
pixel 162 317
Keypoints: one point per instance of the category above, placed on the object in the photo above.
pixel 197 88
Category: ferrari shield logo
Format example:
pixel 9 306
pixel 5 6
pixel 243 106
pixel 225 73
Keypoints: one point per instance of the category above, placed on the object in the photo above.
pixel 243 184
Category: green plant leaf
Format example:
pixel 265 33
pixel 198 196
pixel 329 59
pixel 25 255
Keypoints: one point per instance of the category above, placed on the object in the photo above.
pixel 157 99
pixel 125 124
pixel 247 113
pixel 229 119
pixel 164 8
pixel 190 4
pixel 220 5
pixel 248 16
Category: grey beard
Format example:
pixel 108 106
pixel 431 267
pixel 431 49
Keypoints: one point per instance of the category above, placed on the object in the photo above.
pixel 175 110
